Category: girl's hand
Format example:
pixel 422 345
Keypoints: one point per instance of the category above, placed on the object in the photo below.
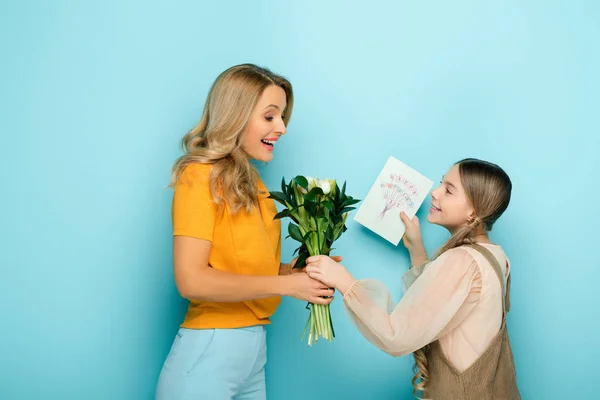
pixel 413 241
pixel 412 237
pixel 331 273
pixel 293 262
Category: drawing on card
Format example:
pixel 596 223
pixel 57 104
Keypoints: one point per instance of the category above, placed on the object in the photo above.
pixel 398 191
pixel 397 188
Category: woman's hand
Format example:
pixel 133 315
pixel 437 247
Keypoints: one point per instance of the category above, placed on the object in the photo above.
pixel 330 272
pixel 303 287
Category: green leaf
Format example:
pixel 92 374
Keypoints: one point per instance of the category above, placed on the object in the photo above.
pixel 347 209
pixel 324 223
pixel 302 249
pixel 294 232
pixel 312 195
pixel 349 201
pixel 310 207
pixel 301 262
pixel 301 181
pixel 283 186
pixel 336 220
pixel 278 196
pixel 294 209
pixel 327 204
pixel 323 212
pixel 329 234
pixel 282 214
pixel 308 235
pixel 292 198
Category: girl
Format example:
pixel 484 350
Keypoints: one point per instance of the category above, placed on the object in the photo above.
pixel 226 245
pixel 452 315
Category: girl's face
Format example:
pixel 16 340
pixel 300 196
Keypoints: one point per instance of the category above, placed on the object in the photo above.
pixel 450 207
pixel 265 125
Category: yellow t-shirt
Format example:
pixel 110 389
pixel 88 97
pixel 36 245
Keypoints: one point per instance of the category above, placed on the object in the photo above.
pixel 247 243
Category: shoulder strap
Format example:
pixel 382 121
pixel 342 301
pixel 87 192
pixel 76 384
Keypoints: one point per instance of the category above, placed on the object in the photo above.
pixel 496 266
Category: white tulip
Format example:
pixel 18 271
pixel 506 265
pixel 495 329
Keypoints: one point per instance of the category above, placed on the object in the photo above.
pixel 325 185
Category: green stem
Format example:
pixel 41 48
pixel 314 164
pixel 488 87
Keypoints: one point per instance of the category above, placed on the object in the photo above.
pixel 317 236
pixel 317 317
pixel 324 323
pixel 324 333
pixel 319 320
pixel 312 327
pixel 329 331
pixel 327 324
pixel 331 324
pixel 306 328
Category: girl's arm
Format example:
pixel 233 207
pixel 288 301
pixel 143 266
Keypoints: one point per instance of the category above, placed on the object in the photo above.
pixel 428 310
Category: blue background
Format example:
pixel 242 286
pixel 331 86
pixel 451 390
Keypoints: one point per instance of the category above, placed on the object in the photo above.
pixel 96 95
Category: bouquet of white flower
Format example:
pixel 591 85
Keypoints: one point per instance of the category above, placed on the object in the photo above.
pixel 318 210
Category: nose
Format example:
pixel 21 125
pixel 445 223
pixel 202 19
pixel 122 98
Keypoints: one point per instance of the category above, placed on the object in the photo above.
pixel 434 193
pixel 281 129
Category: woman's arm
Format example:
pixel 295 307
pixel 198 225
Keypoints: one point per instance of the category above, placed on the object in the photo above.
pixel 196 280
pixel 285 269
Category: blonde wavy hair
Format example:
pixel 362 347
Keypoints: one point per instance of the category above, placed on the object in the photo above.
pixel 488 189
pixel 217 138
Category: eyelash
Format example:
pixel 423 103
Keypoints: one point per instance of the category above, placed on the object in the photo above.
pixel 272 118
pixel 447 191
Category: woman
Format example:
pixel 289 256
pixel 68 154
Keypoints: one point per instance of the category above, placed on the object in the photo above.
pixel 226 245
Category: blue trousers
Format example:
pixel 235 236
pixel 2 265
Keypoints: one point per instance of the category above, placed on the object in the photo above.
pixel 215 364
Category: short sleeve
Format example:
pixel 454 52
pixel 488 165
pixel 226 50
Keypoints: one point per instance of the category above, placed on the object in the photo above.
pixel 193 209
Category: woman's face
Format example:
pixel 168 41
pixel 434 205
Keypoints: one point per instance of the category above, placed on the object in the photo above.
pixel 265 126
